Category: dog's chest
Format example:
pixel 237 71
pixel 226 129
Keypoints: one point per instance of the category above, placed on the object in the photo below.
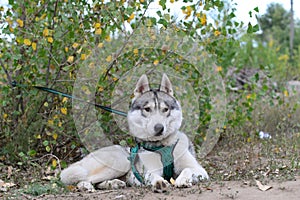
pixel 150 161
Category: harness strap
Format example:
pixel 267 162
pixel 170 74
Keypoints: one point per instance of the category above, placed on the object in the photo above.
pixel 167 159
pixel 132 158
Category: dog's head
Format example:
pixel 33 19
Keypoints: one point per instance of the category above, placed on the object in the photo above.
pixel 154 114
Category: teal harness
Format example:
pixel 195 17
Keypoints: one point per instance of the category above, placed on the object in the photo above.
pixel 167 159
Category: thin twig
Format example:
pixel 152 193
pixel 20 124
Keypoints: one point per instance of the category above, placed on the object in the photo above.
pixel 6 72
pixel 126 41
pixel 54 156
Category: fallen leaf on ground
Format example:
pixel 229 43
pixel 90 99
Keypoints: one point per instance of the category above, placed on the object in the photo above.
pixel 5 186
pixel 262 187
pixel 9 171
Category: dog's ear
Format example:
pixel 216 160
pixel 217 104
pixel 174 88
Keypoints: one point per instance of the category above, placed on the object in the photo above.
pixel 142 86
pixel 166 85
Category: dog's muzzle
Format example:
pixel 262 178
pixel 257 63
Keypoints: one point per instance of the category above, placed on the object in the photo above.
pixel 159 129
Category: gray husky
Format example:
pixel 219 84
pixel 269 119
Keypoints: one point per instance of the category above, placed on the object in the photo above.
pixel 163 154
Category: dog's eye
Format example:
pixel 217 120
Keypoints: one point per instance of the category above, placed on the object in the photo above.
pixel 164 110
pixel 147 109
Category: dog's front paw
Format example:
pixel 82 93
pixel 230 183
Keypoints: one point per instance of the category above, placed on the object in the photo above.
pixel 85 186
pixel 183 182
pixel 111 184
pixel 161 186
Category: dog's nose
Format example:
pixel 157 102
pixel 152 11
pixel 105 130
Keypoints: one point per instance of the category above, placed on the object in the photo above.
pixel 158 128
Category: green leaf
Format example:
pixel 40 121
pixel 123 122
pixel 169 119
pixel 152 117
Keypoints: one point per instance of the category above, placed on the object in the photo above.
pixel 162 3
pixel 31 153
pixel 48 149
pixel 255 28
pixel 46 143
pixel 250 13
pixel 163 22
pixel 256 9
pixel 250 28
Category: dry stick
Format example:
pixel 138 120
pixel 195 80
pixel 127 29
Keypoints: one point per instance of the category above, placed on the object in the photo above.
pixel 54 156
pixel 39 11
pixel 51 46
pixel 6 72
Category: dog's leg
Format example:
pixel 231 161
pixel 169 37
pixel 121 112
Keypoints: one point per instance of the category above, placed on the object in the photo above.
pixel 104 164
pixel 159 184
pixel 191 171
pixel 190 176
pixel 111 184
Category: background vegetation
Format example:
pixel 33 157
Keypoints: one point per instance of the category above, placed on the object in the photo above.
pixel 45 42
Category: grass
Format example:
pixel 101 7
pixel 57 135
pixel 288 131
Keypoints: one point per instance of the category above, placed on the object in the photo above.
pixel 242 155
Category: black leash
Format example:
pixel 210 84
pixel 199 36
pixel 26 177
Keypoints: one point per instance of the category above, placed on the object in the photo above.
pixel 118 112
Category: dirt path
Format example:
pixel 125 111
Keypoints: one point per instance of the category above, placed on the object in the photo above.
pixel 223 190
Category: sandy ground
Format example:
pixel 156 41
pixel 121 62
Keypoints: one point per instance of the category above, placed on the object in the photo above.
pixel 222 190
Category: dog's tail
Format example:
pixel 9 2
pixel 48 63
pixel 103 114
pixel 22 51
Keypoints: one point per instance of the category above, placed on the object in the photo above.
pixel 73 175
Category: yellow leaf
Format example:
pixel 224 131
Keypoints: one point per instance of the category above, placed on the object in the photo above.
pixel 20 22
pixel 27 42
pixel 248 139
pixel 100 45
pixel 115 79
pixel 83 56
pixel 172 181
pixel 5 116
pixel 97 25
pixel 135 51
pixel 217 33
pixel 33 45
pixel 107 38
pixel 100 89
pixel 43 16
pixel 98 31
pixel 46 32
pixel 65 99
pixel 86 90
pixel 203 19
pixel 50 39
pixel 131 17
pixel 66 49
pixel 50 122
pixel 70 59
pixel 219 69
pixel 156 62
pixel 171 1
pixel 286 93
pixel 79 51
pixel 38 136
pixel 54 136
pixel 75 45
pixel 64 111
pixel 59 124
pixel 54 163
pixel 46 104
pixel 109 58
pixel 8 20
